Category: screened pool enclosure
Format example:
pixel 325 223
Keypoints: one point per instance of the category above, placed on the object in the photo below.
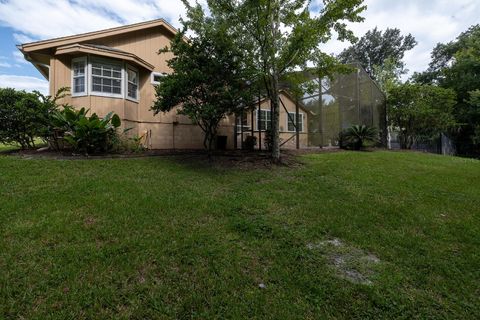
pixel 332 106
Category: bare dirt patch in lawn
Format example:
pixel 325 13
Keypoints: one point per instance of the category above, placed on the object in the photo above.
pixel 348 262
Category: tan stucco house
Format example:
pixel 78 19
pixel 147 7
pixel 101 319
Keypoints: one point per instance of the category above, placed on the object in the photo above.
pixel 116 70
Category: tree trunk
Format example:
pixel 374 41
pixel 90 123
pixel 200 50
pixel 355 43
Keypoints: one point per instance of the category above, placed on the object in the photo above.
pixel 274 79
pixel 275 100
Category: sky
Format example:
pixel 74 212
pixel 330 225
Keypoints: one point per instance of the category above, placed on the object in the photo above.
pixel 21 21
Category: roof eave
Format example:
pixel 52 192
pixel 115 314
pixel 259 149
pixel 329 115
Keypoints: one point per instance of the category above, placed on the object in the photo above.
pixel 43 69
pixel 118 55
pixel 62 41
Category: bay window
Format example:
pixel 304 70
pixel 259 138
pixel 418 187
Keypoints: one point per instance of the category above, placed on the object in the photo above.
pixel 104 77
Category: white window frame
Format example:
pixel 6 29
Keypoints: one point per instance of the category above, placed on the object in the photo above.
pixel 152 77
pixel 122 80
pixel 85 90
pixel 295 123
pixel 257 124
pixel 88 60
pixel 126 83
pixel 240 123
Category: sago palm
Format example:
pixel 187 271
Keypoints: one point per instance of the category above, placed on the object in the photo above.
pixel 359 136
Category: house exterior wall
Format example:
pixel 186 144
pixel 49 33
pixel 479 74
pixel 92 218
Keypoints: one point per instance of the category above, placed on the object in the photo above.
pixel 162 131
pixel 286 136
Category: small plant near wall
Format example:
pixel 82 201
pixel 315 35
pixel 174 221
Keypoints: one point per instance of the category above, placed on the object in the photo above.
pixel 358 137
pixel 83 133
pixel 128 144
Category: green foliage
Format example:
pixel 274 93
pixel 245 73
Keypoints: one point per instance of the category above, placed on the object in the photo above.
pixel 24 116
pixel 86 134
pixel 473 114
pixel 387 75
pixel 456 65
pixel 375 48
pixel 209 78
pixel 278 37
pixel 358 137
pixel 420 112
pixel 124 143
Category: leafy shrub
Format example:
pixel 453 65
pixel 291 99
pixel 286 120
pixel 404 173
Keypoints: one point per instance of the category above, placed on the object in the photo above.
pixel 358 137
pixel 124 143
pixel 250 143
pixel 24 116
pixel 85 134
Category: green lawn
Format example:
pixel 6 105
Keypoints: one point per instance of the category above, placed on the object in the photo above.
pixel 157 238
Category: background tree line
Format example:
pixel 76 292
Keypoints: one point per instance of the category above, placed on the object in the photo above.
pixel 443 99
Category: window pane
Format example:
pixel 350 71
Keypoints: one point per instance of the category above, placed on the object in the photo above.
pixel 268 115
pixel 96 71
pixel 107 89
pixel 291 121
pixel 79 85
pixel 132 90
pixel 106 72
pixel 106 78
pixel 79 68
pixel 132 76
pixel 78 76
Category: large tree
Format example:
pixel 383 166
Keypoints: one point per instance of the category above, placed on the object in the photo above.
pixel 456 65
pixel 376 47
pixel 209 79
pixel 279 37
pixel 420 112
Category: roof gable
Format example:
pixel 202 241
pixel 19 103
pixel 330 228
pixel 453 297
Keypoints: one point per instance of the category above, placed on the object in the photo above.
pixel 64 41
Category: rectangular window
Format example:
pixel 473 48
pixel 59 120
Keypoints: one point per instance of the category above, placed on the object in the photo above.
pixel 79 76
pixel 292 121
pixel 157 77
pixel 107 78
pixel 242 120
pixel 132 83
pixel 264 120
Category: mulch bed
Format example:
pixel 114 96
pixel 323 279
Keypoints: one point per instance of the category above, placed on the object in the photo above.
pixel 230 158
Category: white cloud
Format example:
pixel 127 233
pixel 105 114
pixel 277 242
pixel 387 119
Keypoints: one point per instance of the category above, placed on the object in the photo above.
pixel 430 21
pixel 22 38
pixel 43 19
pixel 19 58
pixel 5 64
pixel 23 83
